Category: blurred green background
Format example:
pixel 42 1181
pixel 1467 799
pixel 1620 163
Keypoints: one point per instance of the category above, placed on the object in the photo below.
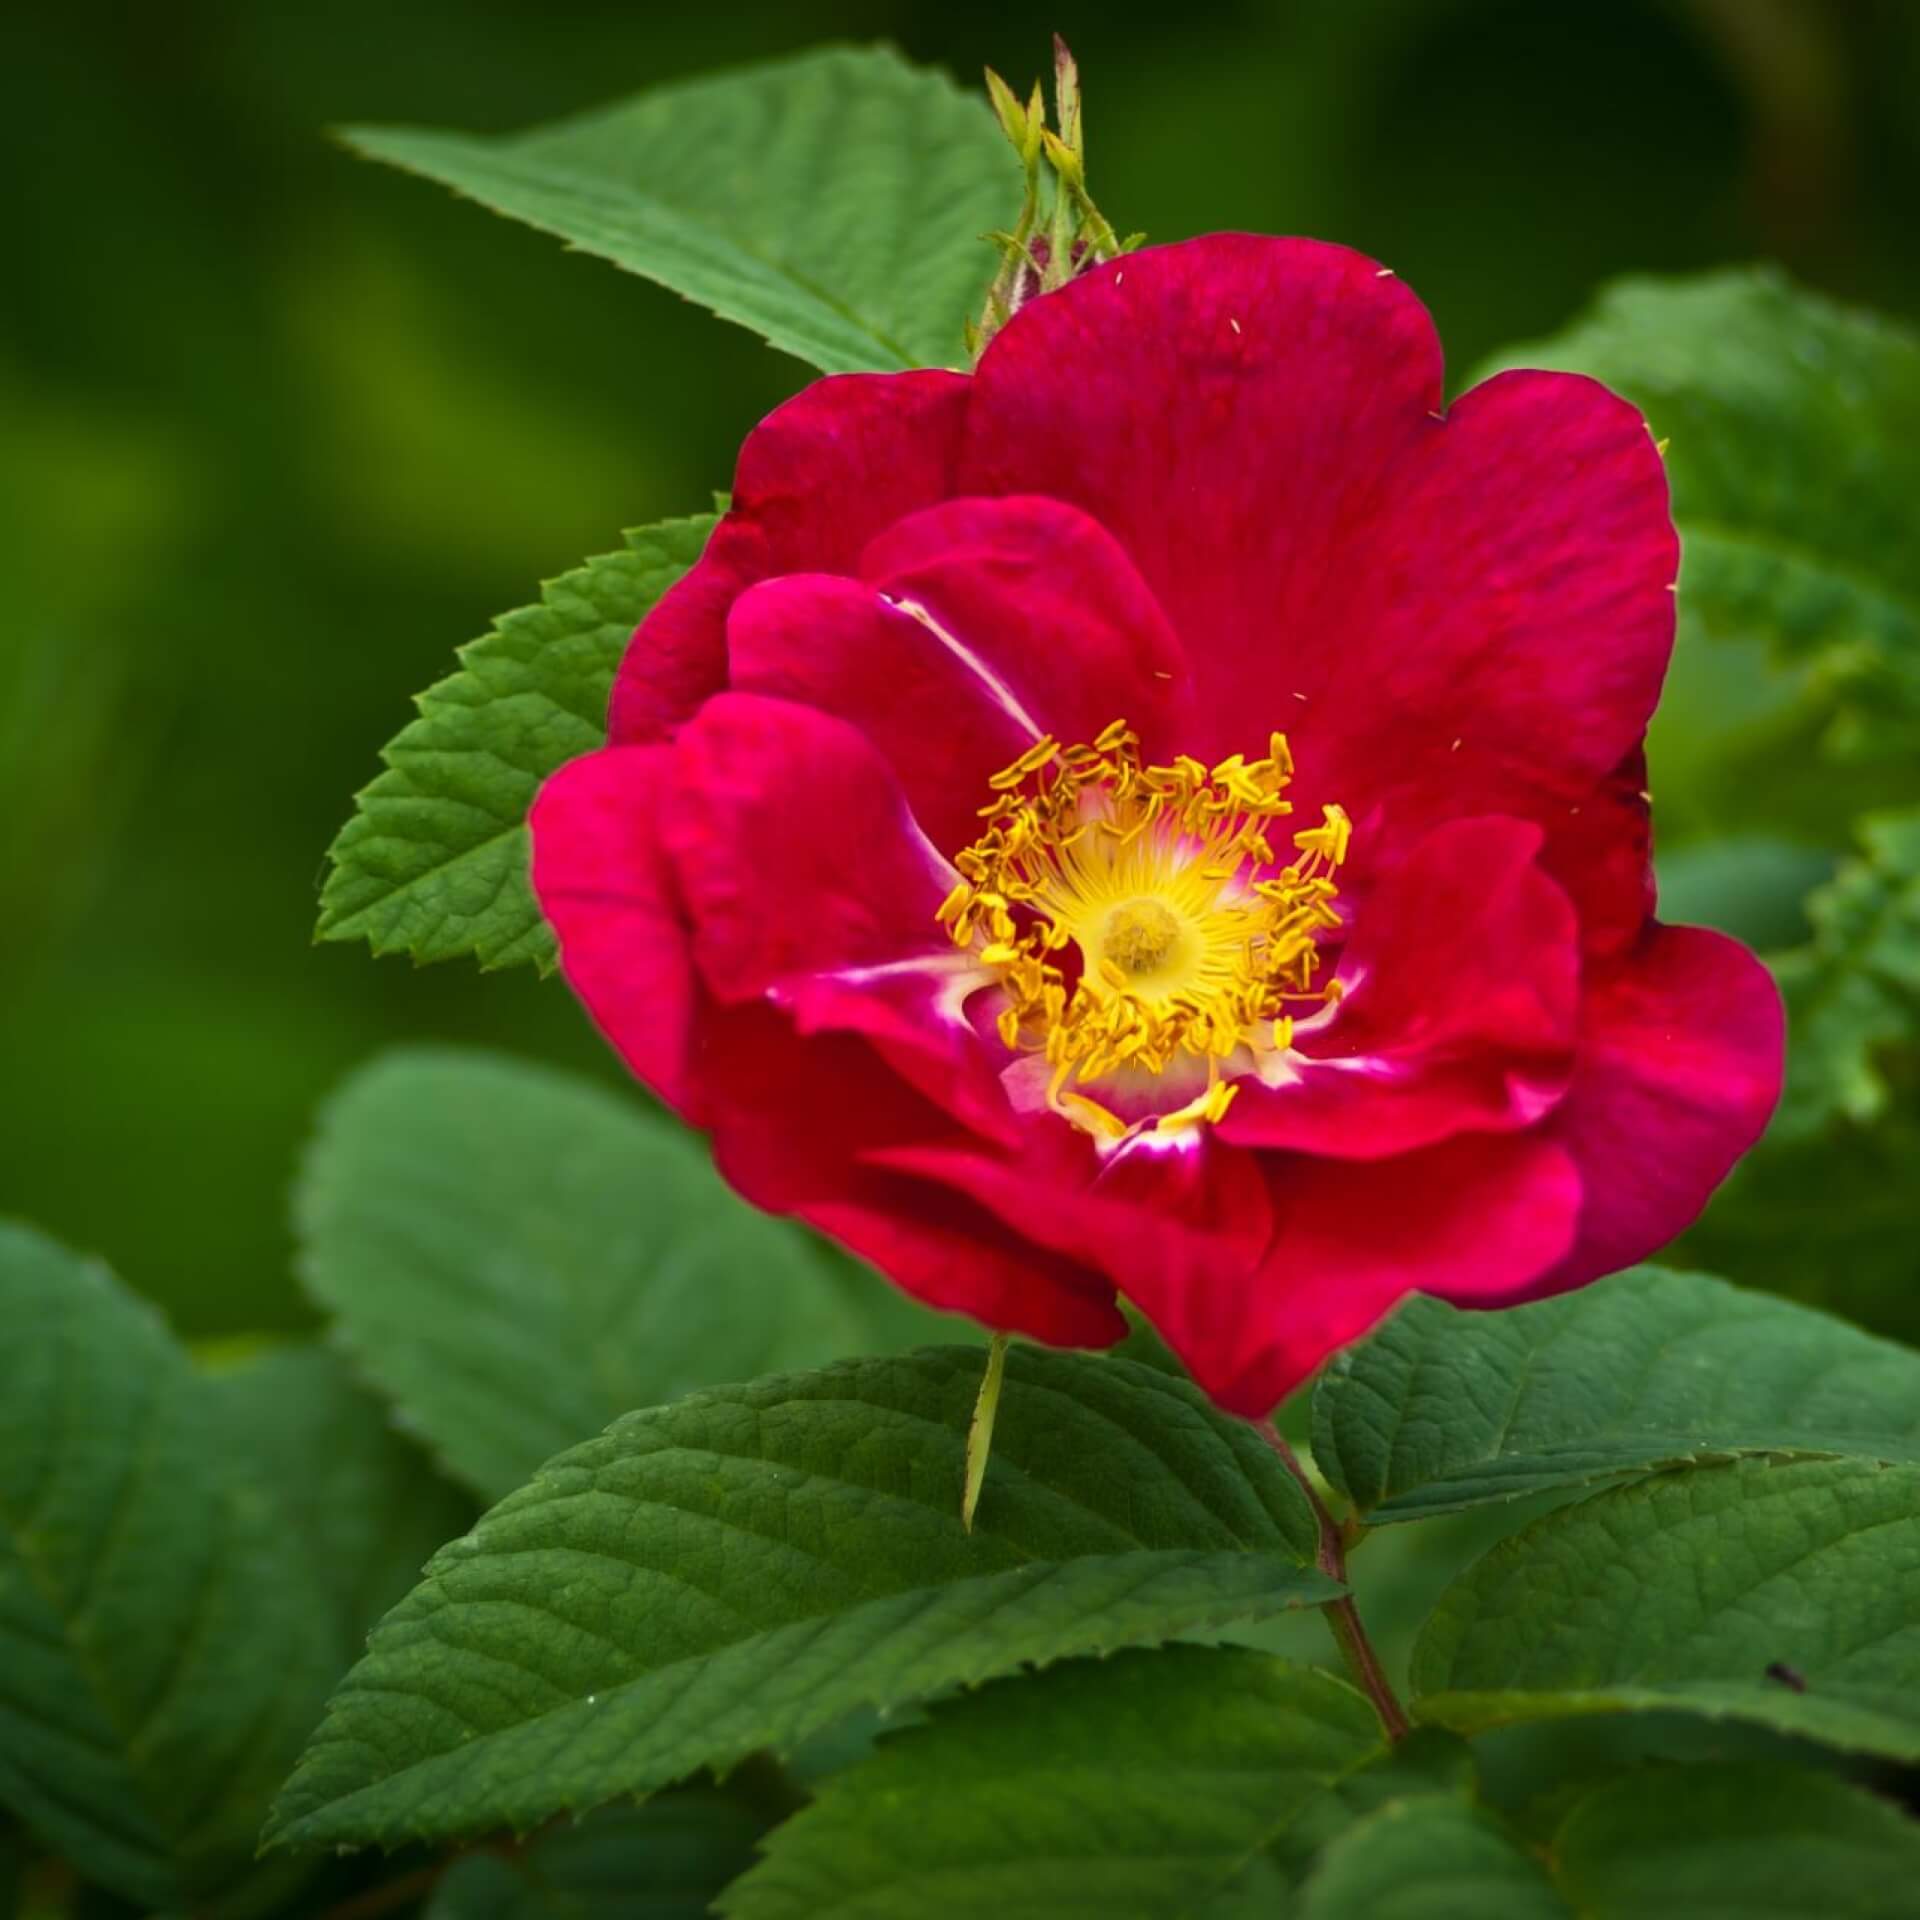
pixel 282 429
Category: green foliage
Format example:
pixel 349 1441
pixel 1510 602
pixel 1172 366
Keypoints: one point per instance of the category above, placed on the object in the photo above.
pixel 746 1566
pixel 1442 1409
pixel 1794 460
pixel 1783 1594
pixel 834 203
pixel 434 861
pixel 1124 1790
pixel 1848 1130
pixel 666 1860
pixel 1853 995
pixel 1737 1843
pixel 1432 1858
pixel 518 1256
pixel 349 1494
pixel 170 1620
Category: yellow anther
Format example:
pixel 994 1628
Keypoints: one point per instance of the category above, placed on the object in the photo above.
pixel 1191 946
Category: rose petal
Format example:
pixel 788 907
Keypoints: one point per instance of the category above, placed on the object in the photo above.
pixel 816 480
pixel 1185 1207
pixel 1463 976
pixel 605 883
pixel 796 1125
pixel 795 849
pixel 1258 422
pixel 1472 1219
pixel 1680 1065
pixel 984 624
pixel 809 884
pixel 1227 408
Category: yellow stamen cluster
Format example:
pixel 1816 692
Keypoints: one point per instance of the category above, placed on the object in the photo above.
pixel 1191 944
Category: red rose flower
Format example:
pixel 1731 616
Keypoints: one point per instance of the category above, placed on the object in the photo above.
pixel 1166 814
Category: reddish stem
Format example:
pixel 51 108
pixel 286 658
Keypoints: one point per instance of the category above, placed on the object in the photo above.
pixel 1342 1616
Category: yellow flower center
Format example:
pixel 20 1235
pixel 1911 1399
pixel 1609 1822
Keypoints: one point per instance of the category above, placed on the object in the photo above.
pixel 1193 944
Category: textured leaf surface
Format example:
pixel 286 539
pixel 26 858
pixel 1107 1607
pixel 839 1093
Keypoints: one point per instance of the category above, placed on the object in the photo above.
pixel 517 1256
pixel 1787 1595
pixel 166 1635
pixel 434 861
pixel 1738 1843
pixel 744 1567
pixel 361 1503
pixel 1443 1409
pixel 1795 459
pixel 1429 1859
pixel 1128 1789
pixel 1853 995
pixel 666 1860
pixel 833 203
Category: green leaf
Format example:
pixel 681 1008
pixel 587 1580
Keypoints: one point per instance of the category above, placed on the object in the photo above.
pixel 1737 1843
pixel 166 1636
pixel 667 1860
pixel 434 861
pixel 1795 459
pixel 744 1567
pixel 1429 1859
pixel 362 1503
pixel 1853 995
pixel 1855 1253
pixel 834 203
pixel 516 1256
pixel 1127 1789
pixel 1442 1409
pixel 1752 886
pixel 1787 1595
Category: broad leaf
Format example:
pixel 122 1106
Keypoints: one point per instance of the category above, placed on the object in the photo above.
pixel 168 1626
pixel 434 861
pixel 834 203
pixel 1434 1858
pixel 1443 1409
pixel 1787 1595
pixel 1737 1843
pixel 516 1256
pixel 1794 460
pixel 1856 1252
pixel 1853 995
pixel 1129 1789
pixel 664 1861
pixel 360 1503
pixel 745 1567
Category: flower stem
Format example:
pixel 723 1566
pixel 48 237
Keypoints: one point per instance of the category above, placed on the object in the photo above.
pixel 980 1433
pixel 1342 1616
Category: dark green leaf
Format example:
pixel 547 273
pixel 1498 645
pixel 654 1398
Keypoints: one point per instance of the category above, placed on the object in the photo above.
pixel 434 861
pixel 1128 1789
pixel 363 1505
pixel 1749 885
pixel 1429 1859
pixel 1443 1409
pixel 1853 995
pixel 1738 1843
pixel 664 1861
pixel 1787 1595
pixel 1856 1253
pixel 1795 460
pixel 162 1653
pixel 517 1256
pixel 834 203
pixel 744 1567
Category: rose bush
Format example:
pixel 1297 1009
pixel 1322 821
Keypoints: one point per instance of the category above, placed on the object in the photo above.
pixel 1165 815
